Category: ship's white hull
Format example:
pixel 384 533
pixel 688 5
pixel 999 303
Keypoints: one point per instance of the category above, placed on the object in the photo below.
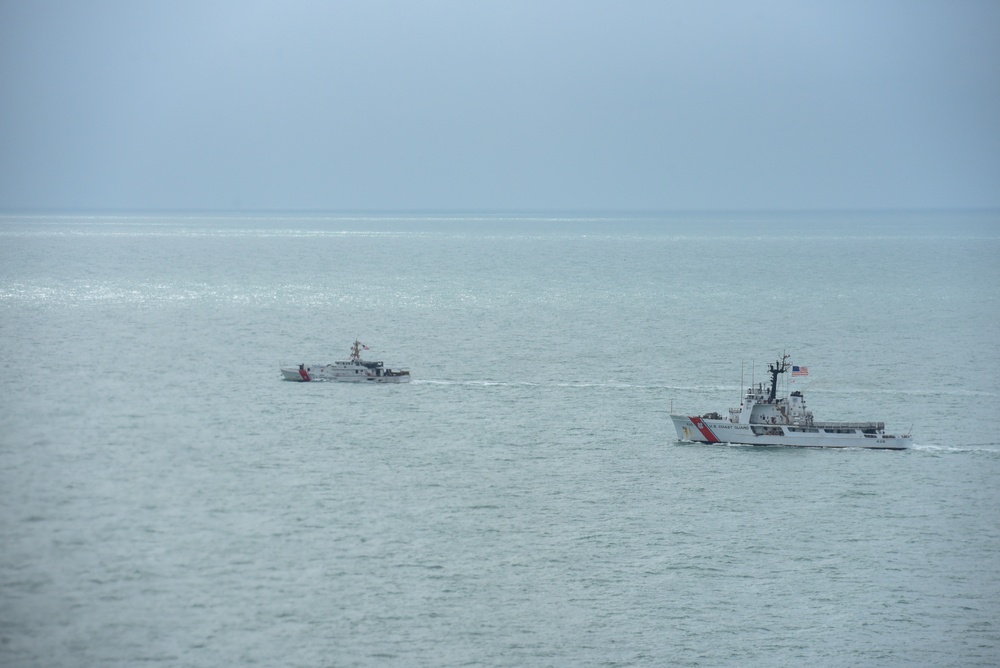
pixel 343 374
pixel 706 430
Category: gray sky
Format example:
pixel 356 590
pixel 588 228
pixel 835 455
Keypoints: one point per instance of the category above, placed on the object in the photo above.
pixel 499 106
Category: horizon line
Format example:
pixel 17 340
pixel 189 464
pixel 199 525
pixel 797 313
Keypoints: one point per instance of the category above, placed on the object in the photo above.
pixel 8 212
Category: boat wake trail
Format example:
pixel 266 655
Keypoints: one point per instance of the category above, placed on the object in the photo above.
pixel 568 384
pixel 988 449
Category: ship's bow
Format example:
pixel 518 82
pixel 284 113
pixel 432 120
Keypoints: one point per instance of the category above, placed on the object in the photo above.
pixel 685 429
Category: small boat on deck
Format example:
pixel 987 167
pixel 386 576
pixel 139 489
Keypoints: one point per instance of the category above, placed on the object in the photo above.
pixel 353 370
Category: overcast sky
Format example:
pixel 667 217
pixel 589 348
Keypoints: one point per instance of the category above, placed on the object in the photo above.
pixel 499 106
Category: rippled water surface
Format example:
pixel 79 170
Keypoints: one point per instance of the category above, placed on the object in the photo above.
pixel 165 497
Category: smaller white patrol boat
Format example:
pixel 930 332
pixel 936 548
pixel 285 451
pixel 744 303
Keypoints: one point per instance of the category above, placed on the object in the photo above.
pixel 764 419
pixel 354 370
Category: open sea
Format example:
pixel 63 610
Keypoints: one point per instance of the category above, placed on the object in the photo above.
pixel 166 499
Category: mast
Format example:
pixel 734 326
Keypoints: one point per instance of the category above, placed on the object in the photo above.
pixel 779 367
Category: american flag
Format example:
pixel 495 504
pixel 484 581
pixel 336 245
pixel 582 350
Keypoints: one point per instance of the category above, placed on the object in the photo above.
pixel 800 371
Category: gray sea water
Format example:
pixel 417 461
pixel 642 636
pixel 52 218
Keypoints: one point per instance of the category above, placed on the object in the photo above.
pixel 166 499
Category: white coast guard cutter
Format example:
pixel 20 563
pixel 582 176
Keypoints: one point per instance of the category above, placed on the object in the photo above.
pixel 354 370
pixel 764 419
